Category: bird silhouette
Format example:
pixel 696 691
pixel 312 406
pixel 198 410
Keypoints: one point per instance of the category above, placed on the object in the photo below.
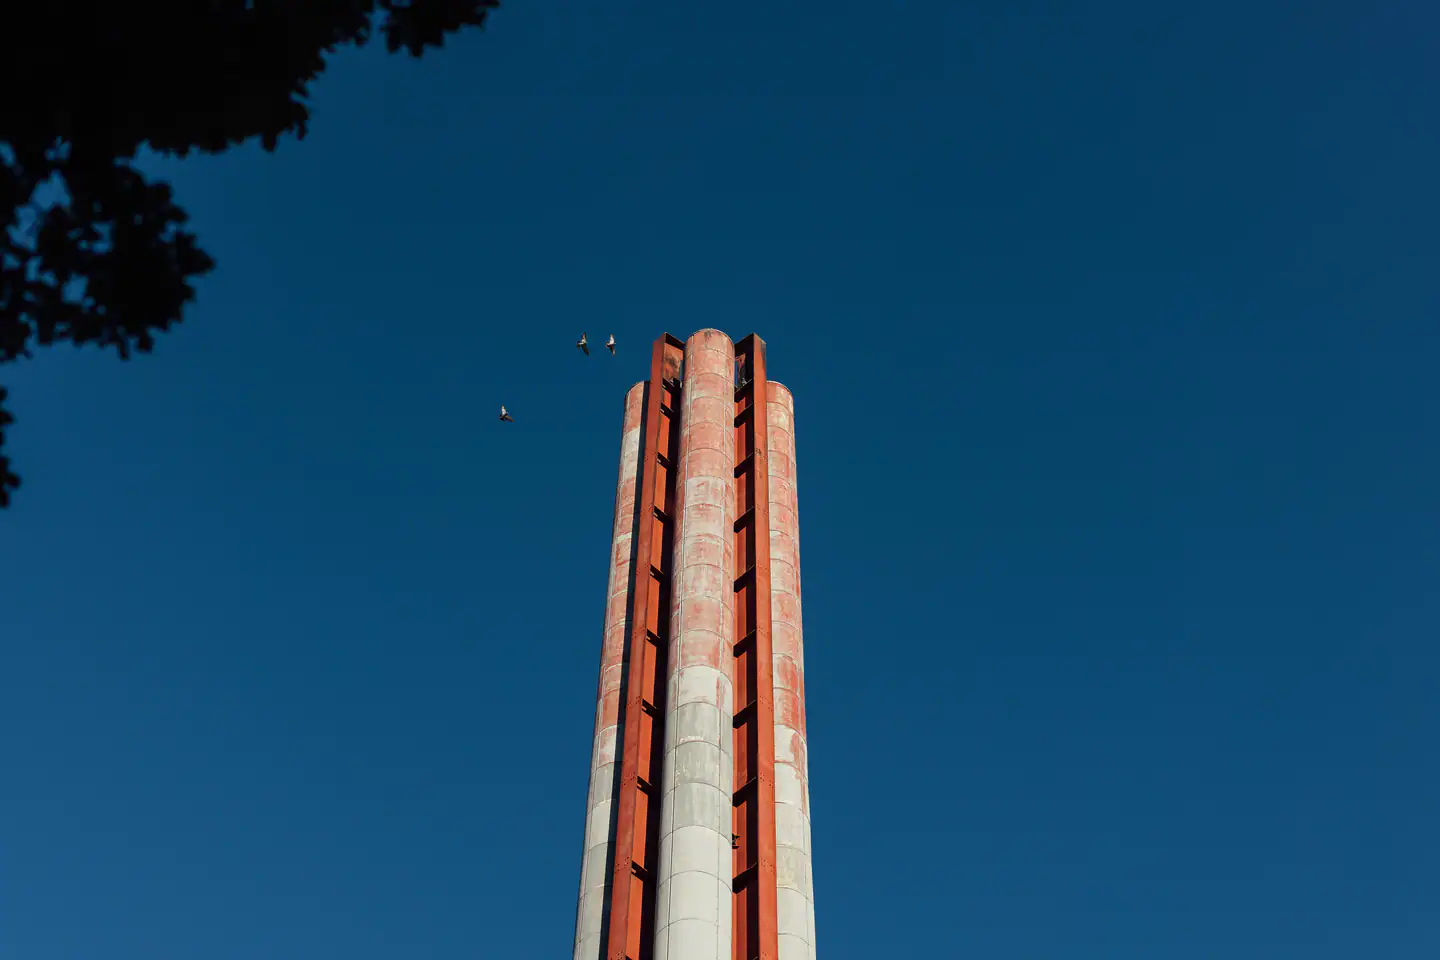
pixel 611 344
pixel 505 415
pixel 583 344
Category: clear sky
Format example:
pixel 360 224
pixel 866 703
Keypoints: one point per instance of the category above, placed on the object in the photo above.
pixel 1113 334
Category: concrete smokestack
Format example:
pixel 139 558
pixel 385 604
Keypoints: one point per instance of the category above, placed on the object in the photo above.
pixel 692 918
pixel 697 835
pixel 595 864
pixel 794 885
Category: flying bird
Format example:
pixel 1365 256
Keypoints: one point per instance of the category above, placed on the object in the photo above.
pixel 611 344
pixel 505 415
pixel 583 344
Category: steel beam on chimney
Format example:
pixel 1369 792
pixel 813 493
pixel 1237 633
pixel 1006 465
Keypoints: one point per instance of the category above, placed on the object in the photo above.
pixel 631 903
pixel 755 934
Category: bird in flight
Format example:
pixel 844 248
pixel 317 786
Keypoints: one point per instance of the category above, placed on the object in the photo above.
pixel 505 415
pixel 583 344
pixel 611 344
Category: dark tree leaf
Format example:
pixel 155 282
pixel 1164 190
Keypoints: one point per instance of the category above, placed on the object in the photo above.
pixel 108 260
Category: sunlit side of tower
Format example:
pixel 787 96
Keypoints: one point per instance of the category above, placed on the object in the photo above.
pixel 697 828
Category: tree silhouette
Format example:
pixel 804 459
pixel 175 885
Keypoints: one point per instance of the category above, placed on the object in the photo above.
pixel 91 251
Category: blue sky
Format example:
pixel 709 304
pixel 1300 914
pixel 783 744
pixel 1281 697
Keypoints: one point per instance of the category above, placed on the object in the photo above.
pixel 1113 334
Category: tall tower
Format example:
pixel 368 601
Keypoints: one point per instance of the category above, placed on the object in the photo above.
pixel 697 829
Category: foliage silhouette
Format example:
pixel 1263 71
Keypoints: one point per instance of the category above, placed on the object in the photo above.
pixel 91 251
